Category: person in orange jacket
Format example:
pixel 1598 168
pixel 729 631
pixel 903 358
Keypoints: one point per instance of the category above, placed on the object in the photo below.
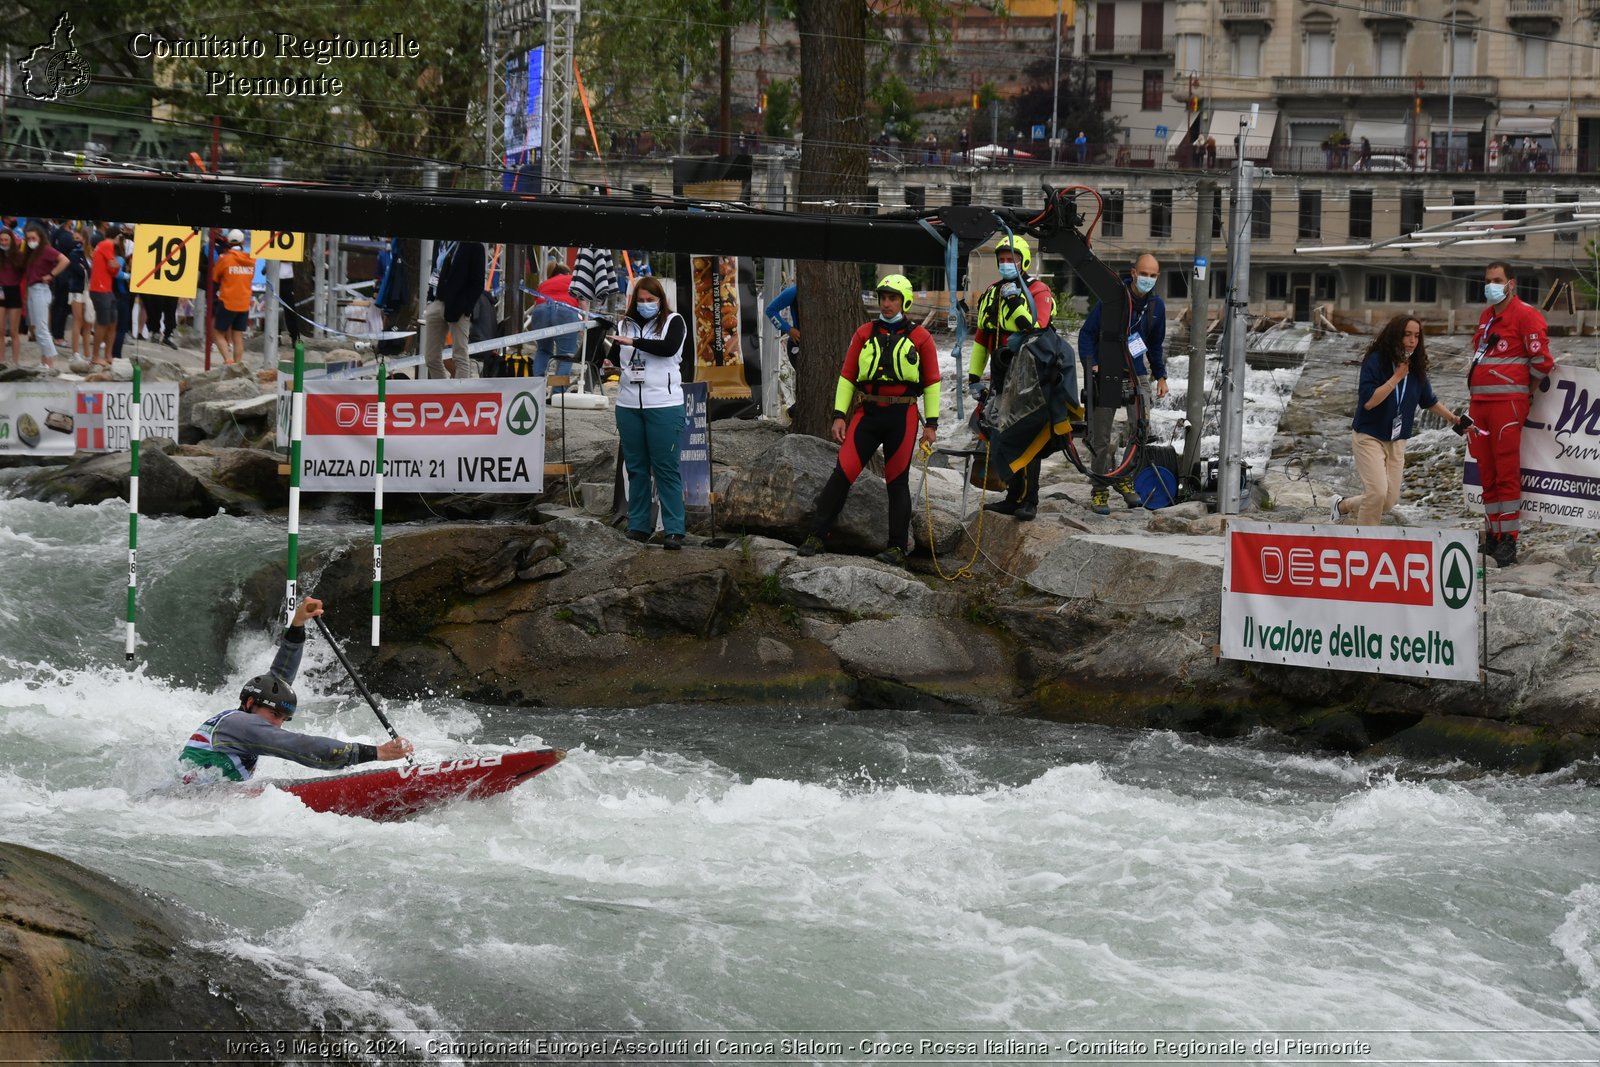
pixel 234 272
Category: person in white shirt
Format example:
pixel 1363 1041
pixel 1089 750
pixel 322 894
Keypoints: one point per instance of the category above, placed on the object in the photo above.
pixel 650 409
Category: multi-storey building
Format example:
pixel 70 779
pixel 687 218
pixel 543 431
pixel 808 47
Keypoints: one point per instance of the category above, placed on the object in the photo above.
pixel 1461 103
pixel 1433 83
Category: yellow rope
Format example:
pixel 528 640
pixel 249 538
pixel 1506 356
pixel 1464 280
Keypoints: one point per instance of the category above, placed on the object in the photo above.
pixel 965 571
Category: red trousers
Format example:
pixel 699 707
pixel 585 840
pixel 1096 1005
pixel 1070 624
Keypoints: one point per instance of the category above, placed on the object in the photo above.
pixel 1496 443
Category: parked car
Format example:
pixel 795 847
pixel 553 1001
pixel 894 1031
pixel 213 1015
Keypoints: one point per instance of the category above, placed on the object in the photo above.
pixel 1390 164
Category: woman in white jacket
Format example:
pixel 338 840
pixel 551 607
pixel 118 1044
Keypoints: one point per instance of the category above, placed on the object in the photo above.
pixel 650 409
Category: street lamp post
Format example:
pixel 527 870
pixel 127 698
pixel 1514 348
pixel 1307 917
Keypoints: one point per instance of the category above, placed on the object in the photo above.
pixel 1055 87
pixel 1450 110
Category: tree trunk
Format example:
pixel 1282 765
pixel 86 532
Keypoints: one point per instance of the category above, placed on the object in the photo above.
pixel 725 85
pixel 833 168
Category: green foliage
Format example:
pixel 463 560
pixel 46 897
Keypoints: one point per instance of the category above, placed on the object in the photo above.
pixel 643 62
pixel 1077 99
pixel 430 106
pixel 1588 279
pixel 897 108
pixel 769 591
pixel 783 109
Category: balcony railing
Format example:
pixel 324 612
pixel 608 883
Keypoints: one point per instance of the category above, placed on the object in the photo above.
pixel 1247 9
pixel 1398 86
pixel 1389 9
pixel 1535 9
pixel 1128 44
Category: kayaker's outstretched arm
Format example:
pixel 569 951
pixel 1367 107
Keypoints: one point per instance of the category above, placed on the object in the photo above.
pixel 286 664
pixel 254 735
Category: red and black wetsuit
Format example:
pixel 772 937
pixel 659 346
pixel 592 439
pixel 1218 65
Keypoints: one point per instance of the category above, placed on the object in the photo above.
pixel 891 366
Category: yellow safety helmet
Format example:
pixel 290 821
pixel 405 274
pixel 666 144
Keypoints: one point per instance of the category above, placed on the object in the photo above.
pixel 897 283
pixel 1016 244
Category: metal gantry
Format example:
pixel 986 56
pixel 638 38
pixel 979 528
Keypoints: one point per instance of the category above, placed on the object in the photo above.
pixel 511 28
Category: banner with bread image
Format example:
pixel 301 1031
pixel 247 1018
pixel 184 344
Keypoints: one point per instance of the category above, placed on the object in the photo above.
pixel 718 356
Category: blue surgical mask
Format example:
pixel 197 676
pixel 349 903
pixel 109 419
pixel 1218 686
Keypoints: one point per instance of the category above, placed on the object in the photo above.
pixel 1008 271
pixel 890 319
pixel 647 311
pixel 1144 285
pixel 1493 292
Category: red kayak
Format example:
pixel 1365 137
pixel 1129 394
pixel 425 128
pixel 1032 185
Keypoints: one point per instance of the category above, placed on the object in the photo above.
pixel 397 792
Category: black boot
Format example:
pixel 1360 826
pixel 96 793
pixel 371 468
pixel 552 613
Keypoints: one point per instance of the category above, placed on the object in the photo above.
pixel 1001 507
pixel 1505 552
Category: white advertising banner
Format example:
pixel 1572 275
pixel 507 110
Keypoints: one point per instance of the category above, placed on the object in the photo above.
pixel 474 435
pixel 1560 452
pixel 1377 599
pixel 57 418
pixel 158 411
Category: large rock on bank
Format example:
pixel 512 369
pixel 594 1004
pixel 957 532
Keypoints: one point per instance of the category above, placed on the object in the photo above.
pixel 95 972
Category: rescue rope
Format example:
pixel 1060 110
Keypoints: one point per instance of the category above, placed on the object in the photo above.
pixel 925 452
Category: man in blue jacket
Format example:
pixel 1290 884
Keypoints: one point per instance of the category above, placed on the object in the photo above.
pixel 453 289
pixel 1147 334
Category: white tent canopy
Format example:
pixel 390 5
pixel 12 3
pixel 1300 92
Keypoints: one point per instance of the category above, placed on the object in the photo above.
pixel 1381 134
pixel 1526 127
pixel 1257 142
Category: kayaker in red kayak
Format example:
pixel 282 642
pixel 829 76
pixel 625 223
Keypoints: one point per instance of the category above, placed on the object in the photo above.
pixel 226 746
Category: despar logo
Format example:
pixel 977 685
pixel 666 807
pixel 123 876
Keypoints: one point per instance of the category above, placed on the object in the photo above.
pixel 415 415
pixel 56 69
pixel 1366 570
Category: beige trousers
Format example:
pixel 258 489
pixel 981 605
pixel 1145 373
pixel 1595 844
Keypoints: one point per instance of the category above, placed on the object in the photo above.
pixel 1380 464
pixel 433 350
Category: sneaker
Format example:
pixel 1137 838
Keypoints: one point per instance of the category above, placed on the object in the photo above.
pixel 811 546
pixel 1100 501
pixel 1505 552
pixel 1334 514
pixel 672 542
pixel 169 342
pixel 1001 507
pixel 894 557
pixel 1129 497
pixel 638 535
pixel 1025 512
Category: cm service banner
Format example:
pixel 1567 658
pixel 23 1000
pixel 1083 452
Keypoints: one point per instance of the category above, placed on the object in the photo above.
pixel 1560 452
pixel 474 435
pixel 57 418
pixel 1378 599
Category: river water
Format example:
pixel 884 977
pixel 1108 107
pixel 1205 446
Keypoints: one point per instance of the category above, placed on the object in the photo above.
pixel 862 881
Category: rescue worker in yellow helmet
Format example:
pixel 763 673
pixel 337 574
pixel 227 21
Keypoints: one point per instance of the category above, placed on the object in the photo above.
pixel 890 366
pixel 1002 313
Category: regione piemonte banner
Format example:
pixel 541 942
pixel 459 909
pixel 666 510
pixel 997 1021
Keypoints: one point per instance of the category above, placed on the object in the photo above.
pixel 1378 599
pixel 474 435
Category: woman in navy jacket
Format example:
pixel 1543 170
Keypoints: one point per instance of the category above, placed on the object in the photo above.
pixel 1394 385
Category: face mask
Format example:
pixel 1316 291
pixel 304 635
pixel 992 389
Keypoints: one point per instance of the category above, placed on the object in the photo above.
pixel 647 311
pixel 33 242
pixel 1144 285
pixel 890 319
pixel 1008 271
pixel 1493 292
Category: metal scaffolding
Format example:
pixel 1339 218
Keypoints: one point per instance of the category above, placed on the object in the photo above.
pixel 511 27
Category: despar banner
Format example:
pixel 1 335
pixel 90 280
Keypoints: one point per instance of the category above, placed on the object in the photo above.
pixel 474 435
pixel 1560 452
pixel 1396 601
pixel 36 418
pixel 694 452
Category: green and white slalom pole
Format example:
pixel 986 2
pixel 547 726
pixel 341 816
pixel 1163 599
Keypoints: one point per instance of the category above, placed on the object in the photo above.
pixel 377 504
pixel 133 516
pixel 297 426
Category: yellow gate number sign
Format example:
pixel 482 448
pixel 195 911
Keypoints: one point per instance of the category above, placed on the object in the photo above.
pixel 166 260
pixel 278 244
